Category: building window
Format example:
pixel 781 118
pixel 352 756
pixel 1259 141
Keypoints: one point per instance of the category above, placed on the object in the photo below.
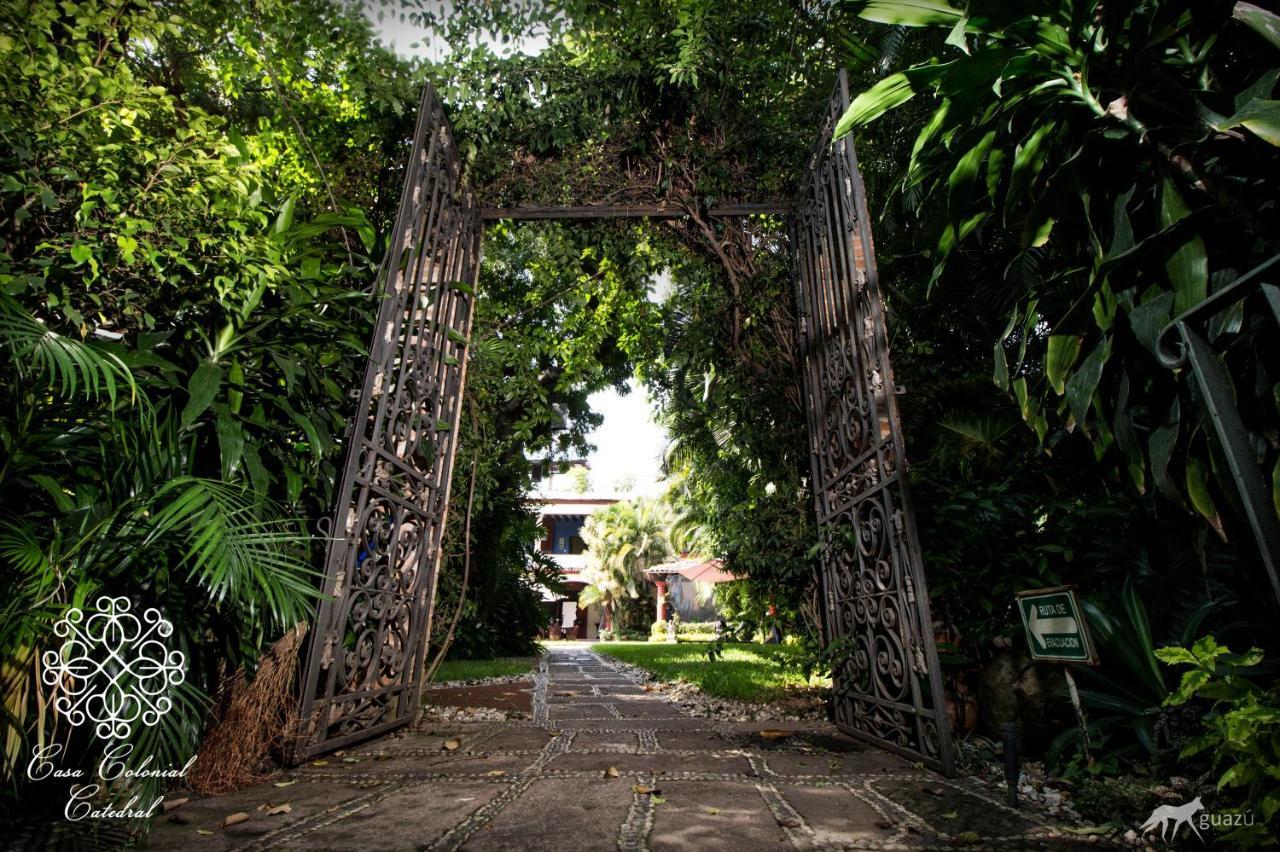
pixel 568 536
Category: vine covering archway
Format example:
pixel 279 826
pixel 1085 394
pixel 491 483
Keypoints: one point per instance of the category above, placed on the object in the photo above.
pixel 364 661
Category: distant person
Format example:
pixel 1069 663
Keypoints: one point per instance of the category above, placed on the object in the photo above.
pixel 775 635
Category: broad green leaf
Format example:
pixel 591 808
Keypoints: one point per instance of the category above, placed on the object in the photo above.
pixel 55 491
pixel 910 13
pixel 1038 226
pixel 230 443
pixel 1149 319
pixel 235 386
pixel 890 93
pixel 1260 116
pixel 1084 381
pixel 1121 226
pixel 1265 23
pixel 285 218
pixel 1028 161
pixel 1188 268
pixel 202 389
pixel 965 174
pixel 1000 373
pixel 1059 358
pixel 1261 88
pixel 1198 491
pixel 995 171
pixel 956 37
pixel 1160 446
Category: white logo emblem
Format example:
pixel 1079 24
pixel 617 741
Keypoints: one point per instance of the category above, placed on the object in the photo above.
pixel 1179 816
pixel 113 669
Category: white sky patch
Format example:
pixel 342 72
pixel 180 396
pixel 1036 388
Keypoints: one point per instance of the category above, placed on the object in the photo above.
pixel 408 39
pixel 628 444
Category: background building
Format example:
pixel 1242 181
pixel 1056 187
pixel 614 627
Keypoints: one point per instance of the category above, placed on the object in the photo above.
pixel 562 489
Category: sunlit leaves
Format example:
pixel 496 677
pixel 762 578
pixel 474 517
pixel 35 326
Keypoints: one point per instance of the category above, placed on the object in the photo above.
pixel 1135 209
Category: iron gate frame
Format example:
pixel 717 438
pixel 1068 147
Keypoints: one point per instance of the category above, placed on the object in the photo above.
pixel 832 275
pixel 363 669
pixel 871 579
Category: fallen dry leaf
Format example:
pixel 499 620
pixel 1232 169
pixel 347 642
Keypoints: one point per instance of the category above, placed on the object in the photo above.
pixel 203 831
pixel 642 790
pixel 494 773
pixel 952 815
pixel 772 734
pixel 452 745
pixel 319 763
pixel 286 783
pixel 349 760
pixel 235 819
pixel 170 804
pixel 280 809
pixel 339 753
pixel 713 811
pixel 612 772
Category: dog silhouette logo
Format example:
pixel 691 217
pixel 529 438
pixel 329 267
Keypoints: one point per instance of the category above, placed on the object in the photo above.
pixel 1181 815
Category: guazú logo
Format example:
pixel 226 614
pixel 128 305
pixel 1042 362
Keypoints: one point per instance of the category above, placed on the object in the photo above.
pixel 1178 816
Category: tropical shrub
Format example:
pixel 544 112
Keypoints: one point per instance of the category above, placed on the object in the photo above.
pixel 623 540
pixel 1241 736
pixel 182 316
pixel 1109 165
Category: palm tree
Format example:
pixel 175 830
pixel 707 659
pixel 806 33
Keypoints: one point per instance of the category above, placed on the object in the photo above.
pixel 112 501
pixel 623 541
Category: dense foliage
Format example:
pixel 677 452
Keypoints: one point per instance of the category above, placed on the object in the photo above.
pixel 1113 163
pixel 559 311
pixel 191 209
pixel 182 316
pixel 1054 236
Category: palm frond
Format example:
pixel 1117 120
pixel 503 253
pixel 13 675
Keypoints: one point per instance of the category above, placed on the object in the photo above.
pixel 234 543
pixel 70 365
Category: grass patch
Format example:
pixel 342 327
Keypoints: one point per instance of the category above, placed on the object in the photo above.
pixel 745 672
pixel 476 669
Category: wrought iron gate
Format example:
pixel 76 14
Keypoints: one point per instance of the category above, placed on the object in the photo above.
pixel 365 654
pixel 888 687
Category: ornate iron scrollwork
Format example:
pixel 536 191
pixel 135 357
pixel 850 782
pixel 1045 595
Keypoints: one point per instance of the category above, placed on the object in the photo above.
pixel 888 685
pixel 363 667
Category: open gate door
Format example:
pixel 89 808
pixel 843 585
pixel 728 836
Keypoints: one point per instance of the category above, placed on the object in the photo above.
pixel 887 685
pixel 365 655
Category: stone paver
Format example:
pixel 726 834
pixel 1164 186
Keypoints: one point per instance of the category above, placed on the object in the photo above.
pixel 605 764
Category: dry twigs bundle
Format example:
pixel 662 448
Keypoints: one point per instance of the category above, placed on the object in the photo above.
pixel 252 718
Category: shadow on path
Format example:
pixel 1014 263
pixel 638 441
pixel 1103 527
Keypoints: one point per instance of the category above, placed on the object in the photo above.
pixel 605 764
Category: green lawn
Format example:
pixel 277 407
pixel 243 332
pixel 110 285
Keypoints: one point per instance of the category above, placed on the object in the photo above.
pixel 475 669
pixel 746 672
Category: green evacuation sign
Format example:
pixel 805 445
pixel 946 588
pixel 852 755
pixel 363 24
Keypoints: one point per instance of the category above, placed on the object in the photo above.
pixel 1055 625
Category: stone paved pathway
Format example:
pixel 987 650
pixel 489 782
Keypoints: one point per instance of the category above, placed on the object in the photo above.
pixel 546 784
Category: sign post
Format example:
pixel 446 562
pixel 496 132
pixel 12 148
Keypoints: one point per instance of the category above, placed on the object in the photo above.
pixel 1057 633
pixel 1055 626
